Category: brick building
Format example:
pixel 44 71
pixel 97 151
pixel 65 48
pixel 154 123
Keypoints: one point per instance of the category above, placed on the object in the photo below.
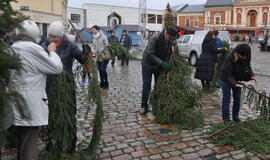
pixel 236 16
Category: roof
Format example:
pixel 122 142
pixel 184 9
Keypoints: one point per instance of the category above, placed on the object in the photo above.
pixel 217 3
pixel 176 8
pixel 129 27
pixel 196 8
pixel 190 28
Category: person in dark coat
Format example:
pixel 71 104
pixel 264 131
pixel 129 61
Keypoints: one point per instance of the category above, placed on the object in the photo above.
pixel 250 39
pixel 125 41
pixel 68 51
pixel 113 39
pixel 155 58
pixel 206 63
pixel 235 68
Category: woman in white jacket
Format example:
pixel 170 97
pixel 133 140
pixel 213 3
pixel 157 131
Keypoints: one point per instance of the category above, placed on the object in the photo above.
pixel 31 83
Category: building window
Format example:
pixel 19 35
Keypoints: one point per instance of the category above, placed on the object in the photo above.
pixel 187 22
pixel 151 18
pixel 143 18
pixel 196 23
pixel 159 19
pixel 265 15
pixel 239 18
pixel 75 18
pixel 24 8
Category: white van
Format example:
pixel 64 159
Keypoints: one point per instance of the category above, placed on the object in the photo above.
pixel 190 46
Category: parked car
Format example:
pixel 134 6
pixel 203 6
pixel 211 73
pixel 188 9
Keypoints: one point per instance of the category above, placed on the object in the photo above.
pixel 190 46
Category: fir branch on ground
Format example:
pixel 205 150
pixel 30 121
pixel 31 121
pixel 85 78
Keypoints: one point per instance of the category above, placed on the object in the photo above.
pixel 257 101
pixel 94 98
pixel 176 98
pixel 252 135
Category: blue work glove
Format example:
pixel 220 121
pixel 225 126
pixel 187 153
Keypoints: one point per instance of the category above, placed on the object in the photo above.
pixel 166 66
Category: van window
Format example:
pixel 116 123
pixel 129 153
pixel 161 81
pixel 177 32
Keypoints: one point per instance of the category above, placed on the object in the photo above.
pixel 180 40
pixel 186 40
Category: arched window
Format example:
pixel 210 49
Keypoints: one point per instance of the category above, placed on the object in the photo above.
pixel 265 18
pixel 113 19
pixel 239 18
pixel 252 18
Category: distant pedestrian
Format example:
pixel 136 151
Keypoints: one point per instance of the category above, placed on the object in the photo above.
pixel 235 68
pixel 125 41
pixel 250 39
pixel 113 39
pixel 86 68
pixel 100 42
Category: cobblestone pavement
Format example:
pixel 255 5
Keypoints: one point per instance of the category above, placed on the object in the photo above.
pixel 128 135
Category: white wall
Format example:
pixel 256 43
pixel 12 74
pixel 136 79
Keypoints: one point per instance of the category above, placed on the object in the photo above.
pixel 79 11
pixel 96 14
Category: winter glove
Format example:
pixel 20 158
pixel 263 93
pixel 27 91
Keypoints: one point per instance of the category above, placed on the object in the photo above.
pixel 166 66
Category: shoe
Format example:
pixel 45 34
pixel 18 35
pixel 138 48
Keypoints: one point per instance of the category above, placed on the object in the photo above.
pixel 227 121
pixel 237 120
pixel 106 86
pixel 143 111
pixel 101 84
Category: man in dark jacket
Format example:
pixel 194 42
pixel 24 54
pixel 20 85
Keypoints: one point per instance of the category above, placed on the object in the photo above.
pixel 113 39
pixel 235 68
pixel 125 41
pixel 155 57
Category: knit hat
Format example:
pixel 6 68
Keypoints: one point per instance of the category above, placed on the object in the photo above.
pixel 29 28
pixel 56 29
pixel 243 49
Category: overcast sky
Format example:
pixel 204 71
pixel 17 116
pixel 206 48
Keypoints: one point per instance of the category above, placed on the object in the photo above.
pixel 151 4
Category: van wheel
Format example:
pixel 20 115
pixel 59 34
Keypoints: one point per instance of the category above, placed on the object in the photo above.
pixel 193 59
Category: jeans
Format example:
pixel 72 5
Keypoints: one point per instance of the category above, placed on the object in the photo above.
pixel 147 79
pixel 102 66
pixel 124 59
pixel 226 90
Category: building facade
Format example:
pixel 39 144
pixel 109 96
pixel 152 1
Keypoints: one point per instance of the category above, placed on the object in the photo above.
pixel 191 15
pixel 43 12
pixel 109 15
pixel 236 16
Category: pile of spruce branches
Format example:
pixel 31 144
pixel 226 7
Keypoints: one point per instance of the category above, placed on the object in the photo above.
pixel 176 98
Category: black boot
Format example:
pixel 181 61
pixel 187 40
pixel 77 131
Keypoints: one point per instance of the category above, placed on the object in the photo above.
pixel 101 84
pixel 106 85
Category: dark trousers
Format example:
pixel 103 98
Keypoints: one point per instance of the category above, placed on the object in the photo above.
pixel 205 83
pixel 226 90
pixel 147 79
pixel 26 142
pixel 124 59
pixel 250 41
pixel 102 66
